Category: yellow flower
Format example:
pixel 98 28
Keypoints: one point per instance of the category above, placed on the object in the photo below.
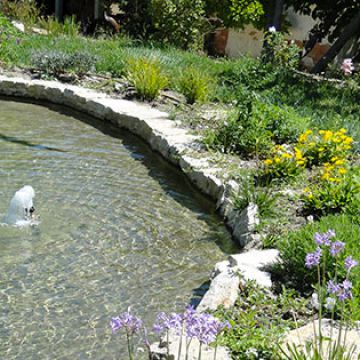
pixel 342 130
pixel 321 149
pixel 300 162
pixel 342 171
pixel 325 176
pixel 277 160
pixel 339 162
pixel 348 140
pixel 327 135
pixel 286 156
pixel 307 189
pixel 310 196
pixel 268 162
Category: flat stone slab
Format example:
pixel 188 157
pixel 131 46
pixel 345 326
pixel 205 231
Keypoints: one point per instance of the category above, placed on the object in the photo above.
pixel 299 337
pixel 159 351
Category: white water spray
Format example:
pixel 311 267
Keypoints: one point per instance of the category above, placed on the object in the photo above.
pixel 21 207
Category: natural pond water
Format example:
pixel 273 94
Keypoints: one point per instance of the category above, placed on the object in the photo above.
pixel 118 227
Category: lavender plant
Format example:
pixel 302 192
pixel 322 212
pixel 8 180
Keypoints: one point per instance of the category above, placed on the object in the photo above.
pixel 329 295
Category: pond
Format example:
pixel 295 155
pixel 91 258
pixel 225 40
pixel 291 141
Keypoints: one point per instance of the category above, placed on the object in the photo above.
pixel 119 226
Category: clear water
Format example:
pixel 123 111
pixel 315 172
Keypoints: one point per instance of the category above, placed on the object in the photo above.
pixel 119 226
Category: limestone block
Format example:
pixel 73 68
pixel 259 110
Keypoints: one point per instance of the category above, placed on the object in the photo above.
pixel 224 290
pixel 159 350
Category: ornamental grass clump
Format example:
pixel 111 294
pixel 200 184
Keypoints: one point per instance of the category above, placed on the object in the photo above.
pixel 146 77
pixel 330 297
pixel 194 85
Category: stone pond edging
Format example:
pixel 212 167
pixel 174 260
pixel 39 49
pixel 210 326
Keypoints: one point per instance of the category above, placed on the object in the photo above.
pixel 162 135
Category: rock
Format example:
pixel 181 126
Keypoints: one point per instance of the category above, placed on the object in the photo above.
pixel 251 265
pixel 159 350
pixel 244 224
pixel 300 336
pixel 18 25
pixel 224 290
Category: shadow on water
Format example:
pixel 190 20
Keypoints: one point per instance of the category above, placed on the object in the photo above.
pixel 27 143
pixel 169 177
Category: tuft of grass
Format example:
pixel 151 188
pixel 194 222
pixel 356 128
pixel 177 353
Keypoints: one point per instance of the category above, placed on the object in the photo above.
pixel 194 85
pixel 146 77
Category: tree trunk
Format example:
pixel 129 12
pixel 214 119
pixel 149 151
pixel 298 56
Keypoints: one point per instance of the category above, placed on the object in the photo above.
pixel 279 5
pixel 350 30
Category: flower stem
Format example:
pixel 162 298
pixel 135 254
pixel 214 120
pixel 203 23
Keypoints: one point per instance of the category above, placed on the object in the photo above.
pixel 129 346
pixel 199 358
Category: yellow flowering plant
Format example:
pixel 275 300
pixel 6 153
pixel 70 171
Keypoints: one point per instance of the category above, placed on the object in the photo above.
pixel 319 147
pixel 336 189
pixel 284 162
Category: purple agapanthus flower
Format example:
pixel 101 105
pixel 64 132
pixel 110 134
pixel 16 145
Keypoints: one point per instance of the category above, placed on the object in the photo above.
pixel 350 263
pixel 127 321
pixel 342 291
pixel 165 322
pixel 332 287
pixel 313 259
pixel 324 238
pixel 336 247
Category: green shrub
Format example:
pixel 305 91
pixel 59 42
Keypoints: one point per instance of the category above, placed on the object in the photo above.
pixel 194 85
pixel 323 146
pixel 335 191
pixel 57 62
pixel 254 127
pixel 179 22
pixel 283 54
pixel 294 247
pixel 146 77
pixel 240 133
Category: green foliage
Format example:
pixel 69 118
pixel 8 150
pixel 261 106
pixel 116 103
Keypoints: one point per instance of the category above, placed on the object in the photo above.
pixel 325 146
pixel 294 247
pixel 241 133
pixel 264 198
pixel 179 22
pixel 280 52
pixel 146 77
pixel 195 85
pixel 333 193
pixel 10 40
pixel 284 162
pixel 25 11
pixel 57 62
pixel 258 322
pixel 254 127
pixel 237 13
pixel 70 27
pixel 311 352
